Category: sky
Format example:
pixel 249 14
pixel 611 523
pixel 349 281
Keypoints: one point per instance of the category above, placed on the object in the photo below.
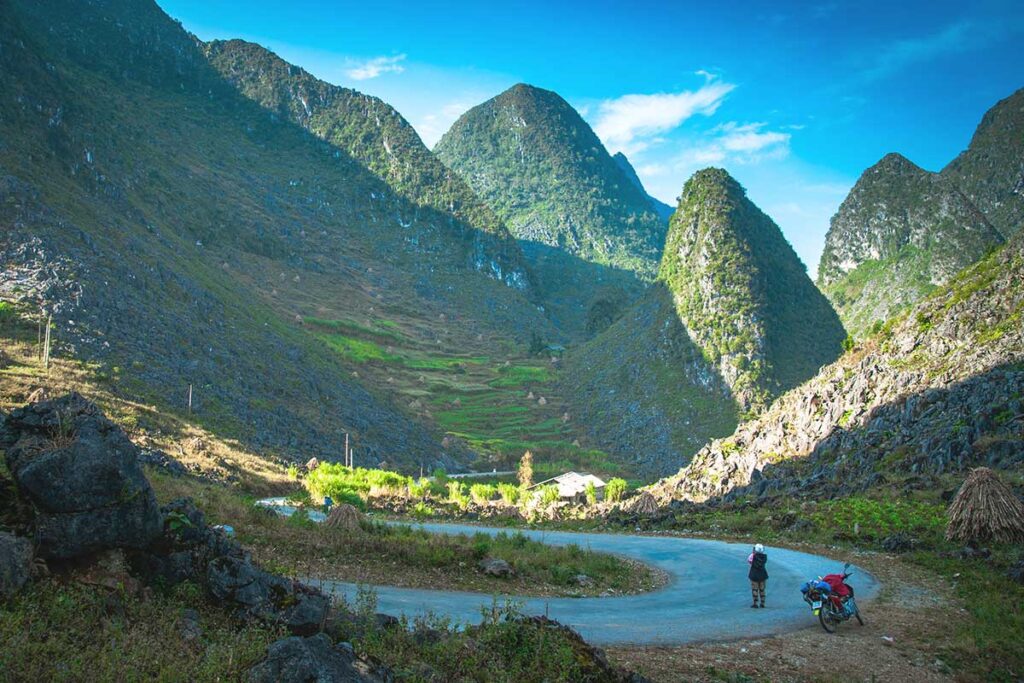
pixel 794 99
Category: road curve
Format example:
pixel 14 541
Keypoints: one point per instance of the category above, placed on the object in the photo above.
pixel 707 597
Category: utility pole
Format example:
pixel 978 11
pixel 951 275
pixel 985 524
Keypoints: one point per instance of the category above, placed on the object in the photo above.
pixel 189 399
pixel 46 344
pixel 348 462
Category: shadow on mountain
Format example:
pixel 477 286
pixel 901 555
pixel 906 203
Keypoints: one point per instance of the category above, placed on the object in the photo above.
pixel 645 391
pixel 908 442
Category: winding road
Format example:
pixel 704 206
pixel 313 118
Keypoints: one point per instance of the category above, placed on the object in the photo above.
pixel 707 596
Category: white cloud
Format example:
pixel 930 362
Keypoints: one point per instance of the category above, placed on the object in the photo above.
pixel 749 139
pixel 372 68
pixel 627 123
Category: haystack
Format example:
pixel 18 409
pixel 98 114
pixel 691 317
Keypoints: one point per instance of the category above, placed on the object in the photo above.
pixel 345 517
pixel 644 504
pixel 984 510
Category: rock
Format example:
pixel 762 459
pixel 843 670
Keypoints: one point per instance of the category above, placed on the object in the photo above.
pixel 15 564
pixel 1016 571
pixel 899 543
pixel 972 553
pixel 189 626
pixel 157 458
pixel 583 581
pixel 312 660
pixel 82 476
pixel 494 566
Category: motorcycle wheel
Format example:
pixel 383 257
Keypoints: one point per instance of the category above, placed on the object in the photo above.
pixel 828 619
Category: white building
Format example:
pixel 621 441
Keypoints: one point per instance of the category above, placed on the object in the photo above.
pixel 572 486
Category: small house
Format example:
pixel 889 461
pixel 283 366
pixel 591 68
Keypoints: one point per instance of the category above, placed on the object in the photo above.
pixel 572 486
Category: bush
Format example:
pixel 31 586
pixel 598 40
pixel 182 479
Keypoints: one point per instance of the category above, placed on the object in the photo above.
pixel 293 472
pixel 615 489
pixel 591 493
pixel 421 511
pixel 419 489
pixel 548 494
pixel 6 311
pixel 340 482
pixel 509 493
pixel 483 493
pixel 457 494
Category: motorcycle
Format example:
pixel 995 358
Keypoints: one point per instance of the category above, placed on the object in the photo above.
pixel 832 600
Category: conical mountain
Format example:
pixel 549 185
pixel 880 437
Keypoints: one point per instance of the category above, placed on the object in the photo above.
pixel 899 234
pixel 660 207
pixel 742 292
pixel 372 132
pixel 990 172
pixel 732 322
pixel 589 232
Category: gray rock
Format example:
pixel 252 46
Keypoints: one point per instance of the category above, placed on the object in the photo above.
pixel 312 660
pixel 494 566
pixel 82 476
pixel 15 564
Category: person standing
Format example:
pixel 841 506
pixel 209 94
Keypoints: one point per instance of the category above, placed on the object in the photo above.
pixel 758 575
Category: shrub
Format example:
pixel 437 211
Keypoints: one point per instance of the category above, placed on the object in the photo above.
pixel 509 493
pixel 615 489
pixel 339 481
pixel 457 494
pixel 6 311
pixel 419 489
pixel 483 493
pixel 591 493
pixel 421 511
pixel 293 472
pixel 548 494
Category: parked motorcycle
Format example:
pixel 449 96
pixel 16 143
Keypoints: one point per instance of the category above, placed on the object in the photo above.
pixel 831 598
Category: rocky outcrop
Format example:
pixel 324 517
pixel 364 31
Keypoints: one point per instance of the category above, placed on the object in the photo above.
pixel 301 660
pixel 743 294
pixel 82 476
pixel 899 234
pixel 15 564
pixel 939 390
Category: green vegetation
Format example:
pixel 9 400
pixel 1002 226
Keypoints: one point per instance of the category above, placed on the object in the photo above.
pixel 766 318
pixel 615 489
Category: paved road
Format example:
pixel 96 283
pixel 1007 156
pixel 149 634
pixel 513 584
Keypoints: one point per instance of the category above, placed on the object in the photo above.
pixel 707 597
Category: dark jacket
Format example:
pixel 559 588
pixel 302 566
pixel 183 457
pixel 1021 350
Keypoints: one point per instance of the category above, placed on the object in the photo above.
pixel 757 570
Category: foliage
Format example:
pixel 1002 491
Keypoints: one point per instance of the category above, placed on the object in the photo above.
pixel 482 493
pixel 347 485
pixel 509 493
pixel 591 493
pixel 525 473
pixel 547 494
pixel 615 489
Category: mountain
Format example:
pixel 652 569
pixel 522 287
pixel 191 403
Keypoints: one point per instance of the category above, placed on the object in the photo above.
pixel 731 323
pixel 587 229
pixel 904 231
pixel 900 233
pixel 180 233
pixel 743 294
pixel 990 172
pixel 938 389
pixel 660 207
pixel 373 133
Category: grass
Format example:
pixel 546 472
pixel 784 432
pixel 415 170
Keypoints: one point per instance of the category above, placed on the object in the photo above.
pixel 402 555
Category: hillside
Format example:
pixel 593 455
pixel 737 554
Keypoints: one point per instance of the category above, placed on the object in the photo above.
pixel 899 234
pixel 180 235
pixel 743 294
pixel 990 172
pixel 937 390
pixel 373 133
pixel 904 231
pixel 644 390
pixel 660 207
pixel 588 231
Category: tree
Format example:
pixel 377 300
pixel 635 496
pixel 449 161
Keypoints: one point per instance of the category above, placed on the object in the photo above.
pixel 615 490
pixel 591 492
pixel 526 470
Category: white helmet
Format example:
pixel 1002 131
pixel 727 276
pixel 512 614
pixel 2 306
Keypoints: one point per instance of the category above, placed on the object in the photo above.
pixel 758 548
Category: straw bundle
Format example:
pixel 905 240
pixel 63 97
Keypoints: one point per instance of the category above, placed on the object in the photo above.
pixel 984 510
pixel 345 517
pixel 644 504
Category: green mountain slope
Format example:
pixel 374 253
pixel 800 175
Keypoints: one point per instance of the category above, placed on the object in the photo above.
pixel 939 389
pixel 900 233
pixel 660 207
pixel 990 172
pixel 376 135
pixel 179 235
pixel 587 229
pixel 743 294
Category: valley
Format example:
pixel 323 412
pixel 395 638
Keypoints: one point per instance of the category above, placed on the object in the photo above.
pixel 512 404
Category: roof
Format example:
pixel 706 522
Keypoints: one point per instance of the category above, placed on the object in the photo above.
pixel 572 483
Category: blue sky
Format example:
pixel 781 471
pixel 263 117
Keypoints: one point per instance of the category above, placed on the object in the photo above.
pixel 794 99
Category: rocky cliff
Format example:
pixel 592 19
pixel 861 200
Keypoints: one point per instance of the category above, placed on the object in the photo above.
pixel 938 389
pixel 899 234
pixel 743 294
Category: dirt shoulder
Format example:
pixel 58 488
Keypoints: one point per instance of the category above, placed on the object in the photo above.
pixel 897 643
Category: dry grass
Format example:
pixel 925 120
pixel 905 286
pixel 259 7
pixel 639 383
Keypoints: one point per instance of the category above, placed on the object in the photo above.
pixel 985 510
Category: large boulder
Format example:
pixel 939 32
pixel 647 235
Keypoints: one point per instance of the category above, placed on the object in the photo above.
pixel 312 660
pixel 15 564
pixel 82 475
